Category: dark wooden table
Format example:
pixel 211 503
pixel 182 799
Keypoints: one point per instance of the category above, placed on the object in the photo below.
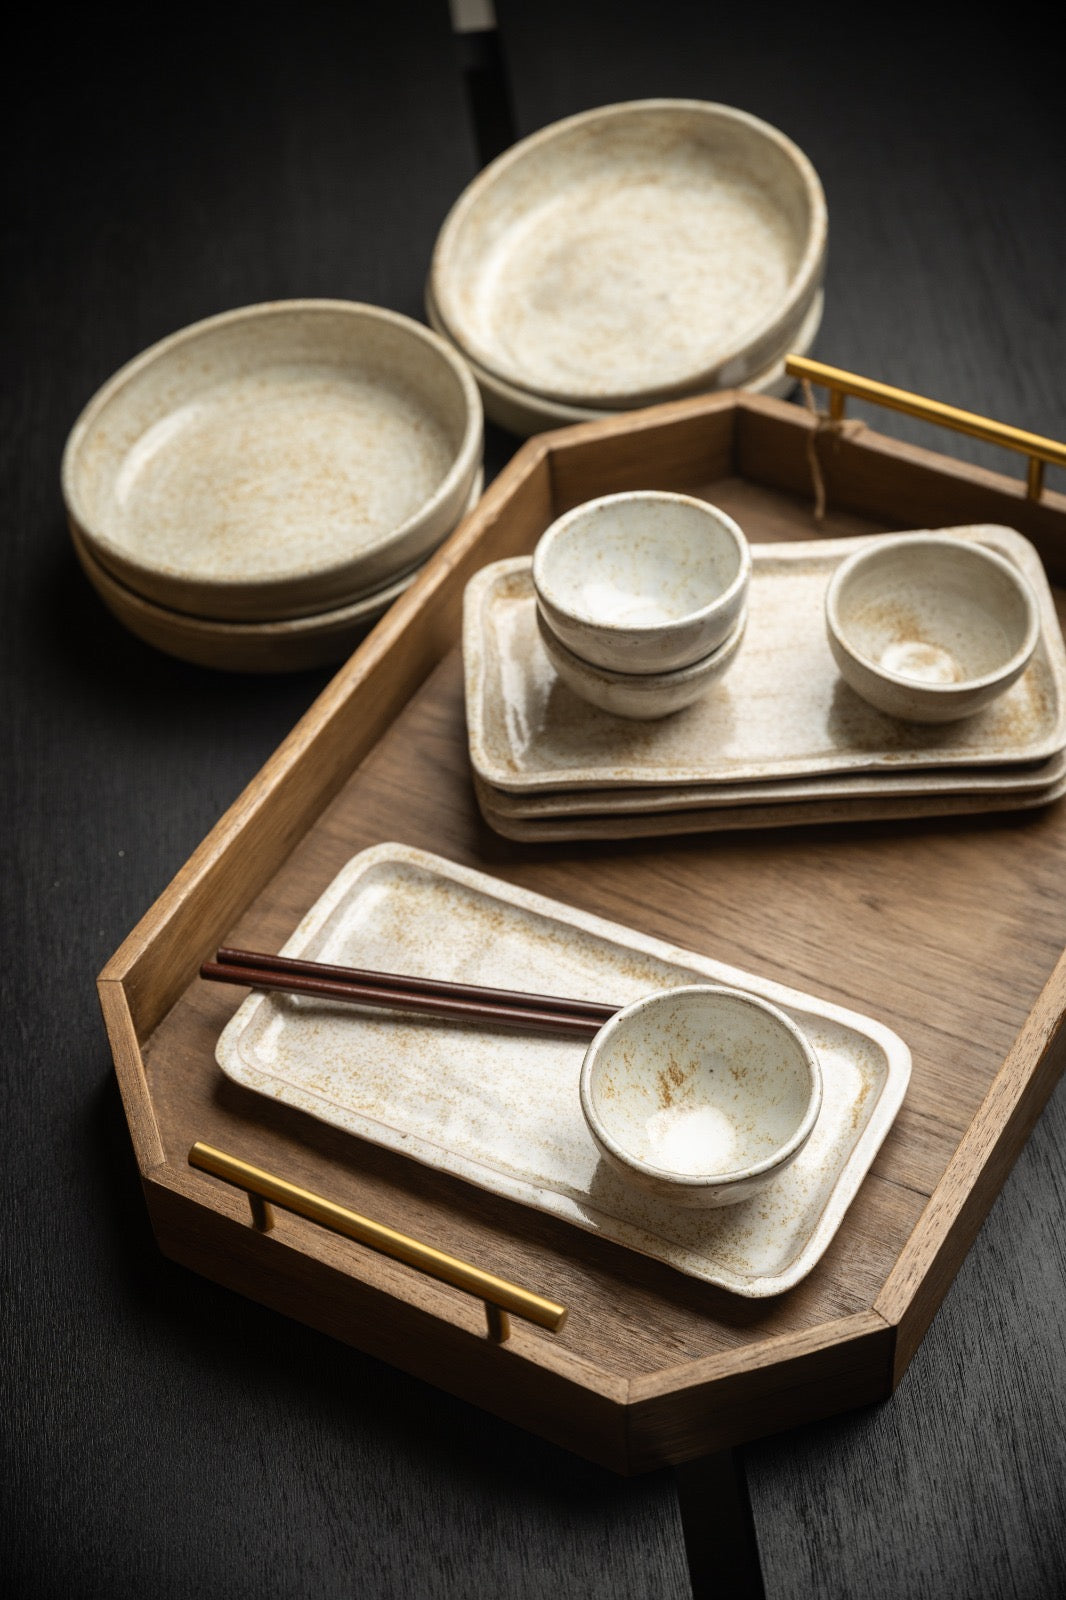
pixel 162 1435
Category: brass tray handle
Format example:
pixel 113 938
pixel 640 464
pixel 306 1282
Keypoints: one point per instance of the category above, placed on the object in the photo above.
pixel 1040 451
pixel 264 1190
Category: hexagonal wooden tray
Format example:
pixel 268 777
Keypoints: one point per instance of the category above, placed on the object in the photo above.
pixel 949 931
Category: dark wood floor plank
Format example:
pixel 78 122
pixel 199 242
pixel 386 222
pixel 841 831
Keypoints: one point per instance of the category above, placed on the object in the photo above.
pixel 942 150
pixel 958 1483
pixel 941 154
pixel 162 1435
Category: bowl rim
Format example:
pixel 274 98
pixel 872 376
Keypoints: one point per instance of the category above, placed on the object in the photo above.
pixel 561 414
pixel 652 682
pixel 464 462
pixel 778 1157
pixel 564 524
pixel 805 279
pixel 882 545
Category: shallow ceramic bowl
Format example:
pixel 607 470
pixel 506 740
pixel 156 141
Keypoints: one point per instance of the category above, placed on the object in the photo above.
pixel 276 460
pixel 523 413
pixel 646 581
pixel 293 644
pixel 930 628
pixel 641 696
pixel 634 253
pixel 700 1095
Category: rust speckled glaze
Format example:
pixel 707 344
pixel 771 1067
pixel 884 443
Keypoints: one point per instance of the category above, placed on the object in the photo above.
pixel 523 412
pixel 276 460
pixel 701 1096
pixel 502 1110
pixel 633 253
pixel 929 631
pixel 293 644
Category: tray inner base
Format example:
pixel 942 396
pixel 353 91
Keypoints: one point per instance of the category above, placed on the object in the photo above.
pixel 945 931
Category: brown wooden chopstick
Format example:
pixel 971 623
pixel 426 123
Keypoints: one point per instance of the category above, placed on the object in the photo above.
pixel 435 1004
pixel 557 1005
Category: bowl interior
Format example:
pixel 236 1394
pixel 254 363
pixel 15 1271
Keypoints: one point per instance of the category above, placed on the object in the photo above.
pixel 700 1083
pixel 629 250
pixel 937 612
pixel 269 443
pixel 638 562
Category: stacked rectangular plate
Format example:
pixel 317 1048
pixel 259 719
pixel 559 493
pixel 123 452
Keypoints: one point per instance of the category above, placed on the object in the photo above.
pixel 779 740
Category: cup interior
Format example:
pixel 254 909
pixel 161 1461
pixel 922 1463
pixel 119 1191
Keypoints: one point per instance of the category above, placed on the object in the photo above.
pixel 640 561
pixel 701 1083
pixel 935 612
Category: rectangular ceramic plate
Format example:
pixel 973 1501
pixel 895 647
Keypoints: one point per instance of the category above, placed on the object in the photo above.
pixel 780 711
pixel 1021 783
pixel 501 1109
pixel 541 829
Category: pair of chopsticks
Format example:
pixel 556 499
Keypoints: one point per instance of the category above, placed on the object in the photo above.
pixel 461 1002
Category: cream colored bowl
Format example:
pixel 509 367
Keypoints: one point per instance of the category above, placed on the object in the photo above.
pixel 523 413
pixel 276 460
pixel 700 1095
pixel 641 696
pixel 930 628
pixel 647 581
pixel 634 253
pixel 292 644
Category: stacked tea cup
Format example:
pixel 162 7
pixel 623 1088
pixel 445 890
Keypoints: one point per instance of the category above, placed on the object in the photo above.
pixel 642 599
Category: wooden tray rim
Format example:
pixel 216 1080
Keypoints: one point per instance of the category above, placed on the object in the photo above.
pixel 133 1000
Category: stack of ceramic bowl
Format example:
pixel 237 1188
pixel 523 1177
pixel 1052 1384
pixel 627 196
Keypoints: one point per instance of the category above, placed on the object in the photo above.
pixel 641 600
pixel 632 254
pixel 254 490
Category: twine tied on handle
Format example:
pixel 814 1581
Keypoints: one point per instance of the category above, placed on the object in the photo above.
pixel 836 427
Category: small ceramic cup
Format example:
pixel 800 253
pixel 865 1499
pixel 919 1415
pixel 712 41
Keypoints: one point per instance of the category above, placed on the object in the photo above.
pixel 929 627
pixel 645 581
pixel 701 1095
pixel 641 696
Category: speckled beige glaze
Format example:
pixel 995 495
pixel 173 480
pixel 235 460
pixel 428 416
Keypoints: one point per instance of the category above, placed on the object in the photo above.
pixel 276 460
pixel 634 252
pixel 782 710
pixel 648 581
pixel 887 806
pixel 929 632
pixel 701 1095
pixel 639 696
pixel 502 1110
pixel 1023 782
pixel 524 413
pixel 293 645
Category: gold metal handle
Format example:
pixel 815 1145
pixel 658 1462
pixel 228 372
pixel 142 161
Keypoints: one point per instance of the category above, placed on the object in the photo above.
pixel 1039 450
pixel 265 1189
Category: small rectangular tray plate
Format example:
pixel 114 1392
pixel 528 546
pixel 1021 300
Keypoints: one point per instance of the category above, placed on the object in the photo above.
pixel 780 711
pixel 500 1109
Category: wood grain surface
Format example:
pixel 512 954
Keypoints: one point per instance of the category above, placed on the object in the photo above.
pixel 162 1434
pixel 942 150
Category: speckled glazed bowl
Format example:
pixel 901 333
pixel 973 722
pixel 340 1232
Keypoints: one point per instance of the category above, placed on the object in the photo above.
pixel 647 581
pixel 291 644
pixel 640 696
pixel 634 253
pixel 700 1095
pixel 523 413
pixel 275 461
pixel 930 628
